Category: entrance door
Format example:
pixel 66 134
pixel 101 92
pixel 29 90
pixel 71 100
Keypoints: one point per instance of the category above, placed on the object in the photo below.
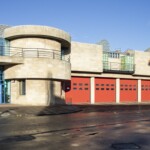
pixel 128 90
pixel 4 88
pixel 105 90
pixel 145 93
pixel 79 92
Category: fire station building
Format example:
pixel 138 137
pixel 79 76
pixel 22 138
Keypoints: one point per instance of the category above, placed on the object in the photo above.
pixel 40 65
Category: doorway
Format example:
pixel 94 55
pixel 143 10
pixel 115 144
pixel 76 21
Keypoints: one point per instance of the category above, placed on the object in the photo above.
pixel 4 88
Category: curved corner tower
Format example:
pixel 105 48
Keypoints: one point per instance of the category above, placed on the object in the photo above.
pixel 37 64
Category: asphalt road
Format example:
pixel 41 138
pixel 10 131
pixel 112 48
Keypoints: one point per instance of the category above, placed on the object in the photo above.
pixel 85 130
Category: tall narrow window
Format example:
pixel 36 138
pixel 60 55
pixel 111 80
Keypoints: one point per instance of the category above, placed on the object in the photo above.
pixel 22 87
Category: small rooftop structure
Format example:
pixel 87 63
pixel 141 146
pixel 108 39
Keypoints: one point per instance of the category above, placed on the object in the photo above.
pixel 2 28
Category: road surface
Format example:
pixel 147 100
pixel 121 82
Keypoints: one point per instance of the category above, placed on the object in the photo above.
pixel 128 130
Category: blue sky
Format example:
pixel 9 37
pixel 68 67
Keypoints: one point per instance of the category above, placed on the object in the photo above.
pixel 124 23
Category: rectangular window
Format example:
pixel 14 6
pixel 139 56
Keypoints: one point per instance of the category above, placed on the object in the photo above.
pixel 22 87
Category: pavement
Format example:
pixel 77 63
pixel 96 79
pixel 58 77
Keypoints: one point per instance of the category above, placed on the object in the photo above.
pixel 130 107
pixel 8 110
pixel 19 110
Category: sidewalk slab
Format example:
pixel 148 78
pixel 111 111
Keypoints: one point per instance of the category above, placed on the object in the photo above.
pixel 17 110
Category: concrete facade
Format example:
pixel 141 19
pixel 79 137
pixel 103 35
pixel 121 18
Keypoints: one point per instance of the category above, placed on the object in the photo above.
pixel 38 92
pixel 39 68
pixel 142 63
pixel 85 57
pixel 46 58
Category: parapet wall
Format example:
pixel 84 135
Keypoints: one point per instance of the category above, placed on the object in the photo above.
pixel 86 57
pixel 39 68
pixel 38 31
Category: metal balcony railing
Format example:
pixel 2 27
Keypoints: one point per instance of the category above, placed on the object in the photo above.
pixel 118 67
pixel 32 53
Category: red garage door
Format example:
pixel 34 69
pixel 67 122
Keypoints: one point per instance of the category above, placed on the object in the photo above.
pixel 79 92
pixel 145 94
pixel 128 90
pixel 105 90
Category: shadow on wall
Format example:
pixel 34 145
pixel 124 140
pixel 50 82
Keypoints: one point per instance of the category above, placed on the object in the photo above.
pixel 66 53
pixel 56 96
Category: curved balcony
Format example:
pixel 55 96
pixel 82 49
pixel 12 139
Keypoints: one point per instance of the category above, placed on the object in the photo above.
pixel 39 68
pixel 35 63
pixel 15 55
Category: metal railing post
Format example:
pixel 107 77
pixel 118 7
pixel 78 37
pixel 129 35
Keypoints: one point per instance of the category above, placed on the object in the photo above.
pixel 32 52
pixel 69 59
pixel 38 53
pixel 61 56
pixel 53 55
pixel 22 52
